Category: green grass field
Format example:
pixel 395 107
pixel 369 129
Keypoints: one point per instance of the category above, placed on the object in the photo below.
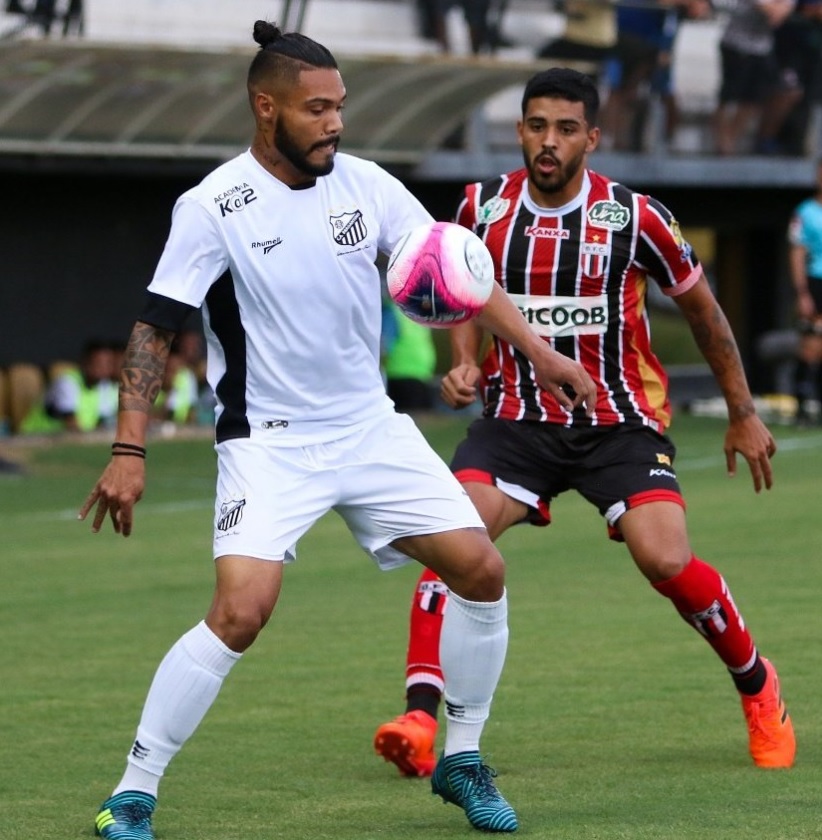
pixel 613 719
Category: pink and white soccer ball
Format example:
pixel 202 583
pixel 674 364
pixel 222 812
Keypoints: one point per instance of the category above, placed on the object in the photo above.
pixel 440 274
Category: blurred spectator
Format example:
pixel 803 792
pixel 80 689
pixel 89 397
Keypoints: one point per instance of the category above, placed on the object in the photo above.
pixel 805 264
pixel 798 51
pixel 641 69
pixel 590 35
pixel 178 399
pixel 41 15
pixel 190 343
pixel 750 74
pixel 482 33
pixel 80 398
pixel 410 362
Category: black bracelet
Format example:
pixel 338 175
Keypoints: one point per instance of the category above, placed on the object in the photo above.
pixel 132 454
pixel 132 447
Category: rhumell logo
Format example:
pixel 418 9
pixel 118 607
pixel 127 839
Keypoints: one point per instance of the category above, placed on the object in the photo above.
pixel 139 751
pixel 267 244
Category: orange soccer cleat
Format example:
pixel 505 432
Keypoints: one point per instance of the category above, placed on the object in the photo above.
pixel 770 731
pixel 408 742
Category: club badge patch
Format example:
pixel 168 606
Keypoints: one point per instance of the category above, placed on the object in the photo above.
pixel 231 513
pixel 348 228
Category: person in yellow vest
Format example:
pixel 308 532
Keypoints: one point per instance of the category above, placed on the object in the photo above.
pixel 85 398
pixel 178 398
pixel 410 363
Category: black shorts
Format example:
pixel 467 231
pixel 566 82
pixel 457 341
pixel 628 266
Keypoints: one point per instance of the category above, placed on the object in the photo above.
pixel 747 79
pixel 615 467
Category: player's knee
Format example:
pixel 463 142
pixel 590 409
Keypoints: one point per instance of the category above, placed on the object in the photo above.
pixel 483 579
pixel 661 566
pixel 237 622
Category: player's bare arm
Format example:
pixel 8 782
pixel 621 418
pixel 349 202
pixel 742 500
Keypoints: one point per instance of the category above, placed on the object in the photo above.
pixel 746 434
pixel 459 385
pixel 566 380
pixel 121 485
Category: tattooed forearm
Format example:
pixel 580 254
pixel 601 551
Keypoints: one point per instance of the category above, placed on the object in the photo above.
pixel 143 367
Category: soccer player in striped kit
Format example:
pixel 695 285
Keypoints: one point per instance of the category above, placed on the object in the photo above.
pixel 575 250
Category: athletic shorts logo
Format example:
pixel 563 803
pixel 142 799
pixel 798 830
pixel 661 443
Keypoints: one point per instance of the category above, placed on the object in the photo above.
pixel 348 228
pixel 656 473
pixel 231 513
pixel 558 315
pixel 661 458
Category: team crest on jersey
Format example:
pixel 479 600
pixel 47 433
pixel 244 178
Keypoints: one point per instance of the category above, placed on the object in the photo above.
pixel 348 228
pixel 231 513
pixel 493 210
pixel 592 258
pixel 609 214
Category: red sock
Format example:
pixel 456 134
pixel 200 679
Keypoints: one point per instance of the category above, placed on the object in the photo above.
pixel 702 597
pixel 422 664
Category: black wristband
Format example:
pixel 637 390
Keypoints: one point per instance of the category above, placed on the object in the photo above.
pixel 132 454
pixel 132 447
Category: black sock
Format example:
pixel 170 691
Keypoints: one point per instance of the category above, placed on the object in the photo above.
pixel 423 697
pixel 753 680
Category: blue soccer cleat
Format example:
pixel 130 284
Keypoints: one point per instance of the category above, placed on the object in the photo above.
pixel 126 816
pixel 464 780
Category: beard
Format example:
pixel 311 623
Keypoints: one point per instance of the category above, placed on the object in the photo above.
pixel 297 157
pixel 561 176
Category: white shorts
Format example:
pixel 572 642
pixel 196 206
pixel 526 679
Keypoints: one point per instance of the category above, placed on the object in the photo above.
pixel 383 479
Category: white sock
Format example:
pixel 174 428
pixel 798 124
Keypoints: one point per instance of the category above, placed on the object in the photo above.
pixel 473 644
pixel 184 687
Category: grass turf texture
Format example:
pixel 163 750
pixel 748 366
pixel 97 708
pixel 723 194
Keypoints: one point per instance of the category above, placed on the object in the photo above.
pixel 613 719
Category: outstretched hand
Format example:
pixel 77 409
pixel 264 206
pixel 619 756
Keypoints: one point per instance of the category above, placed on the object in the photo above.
pixel 119 488
pixel 751 438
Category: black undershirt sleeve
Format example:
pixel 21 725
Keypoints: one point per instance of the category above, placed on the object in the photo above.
pixel 165 313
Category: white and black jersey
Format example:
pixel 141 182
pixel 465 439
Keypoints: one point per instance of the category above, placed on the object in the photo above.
pixel 290 293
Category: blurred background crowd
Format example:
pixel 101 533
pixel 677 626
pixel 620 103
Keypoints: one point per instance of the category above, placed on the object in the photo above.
pixel 748 73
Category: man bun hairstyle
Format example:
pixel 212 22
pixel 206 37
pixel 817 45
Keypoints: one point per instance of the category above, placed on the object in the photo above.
pixel 564 83
pixel 285 54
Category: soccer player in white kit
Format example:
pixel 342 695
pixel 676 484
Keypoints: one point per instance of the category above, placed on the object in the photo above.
pixel 278 248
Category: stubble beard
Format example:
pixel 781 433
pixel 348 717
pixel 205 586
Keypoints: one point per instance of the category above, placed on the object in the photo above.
pixel 562 176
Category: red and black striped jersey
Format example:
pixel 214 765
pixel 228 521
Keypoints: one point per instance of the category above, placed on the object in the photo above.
pixel 579 275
